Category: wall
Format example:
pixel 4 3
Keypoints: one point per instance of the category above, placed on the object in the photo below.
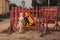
pixel 0 7
pixel 4 7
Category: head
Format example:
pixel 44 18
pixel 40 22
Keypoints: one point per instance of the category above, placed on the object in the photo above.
pixel 21 14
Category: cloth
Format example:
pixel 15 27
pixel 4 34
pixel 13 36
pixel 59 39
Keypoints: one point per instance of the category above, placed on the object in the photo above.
pixel 21 23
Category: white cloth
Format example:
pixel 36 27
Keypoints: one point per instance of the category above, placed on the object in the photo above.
pixel 21 18
pixel 21 23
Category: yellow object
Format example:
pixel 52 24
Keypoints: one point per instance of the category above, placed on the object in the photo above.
pixel 31 20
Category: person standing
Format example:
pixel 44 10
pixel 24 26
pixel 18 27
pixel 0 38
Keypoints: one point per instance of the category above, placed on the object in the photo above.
pixel 21 23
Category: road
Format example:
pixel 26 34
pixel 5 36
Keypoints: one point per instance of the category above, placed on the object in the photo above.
pixel 28 35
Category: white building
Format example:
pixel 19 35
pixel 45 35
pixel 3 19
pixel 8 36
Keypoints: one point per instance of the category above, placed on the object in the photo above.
pixel 4 7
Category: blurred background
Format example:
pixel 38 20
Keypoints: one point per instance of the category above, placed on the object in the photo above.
pixel 5 5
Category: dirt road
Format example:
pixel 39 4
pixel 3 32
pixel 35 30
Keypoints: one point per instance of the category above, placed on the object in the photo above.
pixel 28 35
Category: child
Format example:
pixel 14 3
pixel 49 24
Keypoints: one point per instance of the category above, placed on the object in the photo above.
pixel 21 23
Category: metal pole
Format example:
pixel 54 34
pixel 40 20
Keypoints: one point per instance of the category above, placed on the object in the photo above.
pixel 48 2
pixel 23 3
